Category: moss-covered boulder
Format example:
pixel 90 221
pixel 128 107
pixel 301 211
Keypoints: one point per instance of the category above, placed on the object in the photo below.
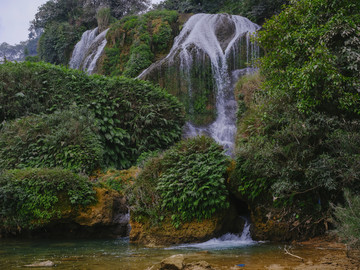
pixel 55 202
pixel 166 234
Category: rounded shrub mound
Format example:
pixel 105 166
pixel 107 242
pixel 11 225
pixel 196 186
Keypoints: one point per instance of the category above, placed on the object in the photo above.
pixel 186 182
pixel 31 198
pixel 133 116
pixel 67 139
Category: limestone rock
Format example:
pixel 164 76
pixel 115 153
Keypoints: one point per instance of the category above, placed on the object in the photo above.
pixel 175 262
pixel 103 212
pixel 167 234
pixel 41 264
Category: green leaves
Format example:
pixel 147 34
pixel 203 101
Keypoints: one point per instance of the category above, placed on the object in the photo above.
pixel 188 180
pixel 31 198
pixel 136 41
pixel 67 139
pixel 132 116
pixel 312 51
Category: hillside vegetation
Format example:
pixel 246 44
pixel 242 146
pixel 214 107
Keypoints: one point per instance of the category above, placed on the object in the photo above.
pixel 131 116
pixel 135 42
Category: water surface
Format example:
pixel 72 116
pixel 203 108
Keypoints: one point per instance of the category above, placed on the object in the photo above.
pixel 223 253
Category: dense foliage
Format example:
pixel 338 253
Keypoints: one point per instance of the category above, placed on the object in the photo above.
pixel 57 41
pixel 64 21
pixel 135 42
pixel 133 116
pixel 299 133
pixel 30 198
pixel 313 56
pixel 186 182
pixel 67 139
pixel 348 219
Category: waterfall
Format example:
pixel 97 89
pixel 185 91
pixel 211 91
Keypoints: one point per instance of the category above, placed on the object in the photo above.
pixel 88 50
pixel 226 241
pixel 225 41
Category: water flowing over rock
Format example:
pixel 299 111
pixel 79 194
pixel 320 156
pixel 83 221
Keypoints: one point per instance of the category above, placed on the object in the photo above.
pixel 208 53
pixel 88 51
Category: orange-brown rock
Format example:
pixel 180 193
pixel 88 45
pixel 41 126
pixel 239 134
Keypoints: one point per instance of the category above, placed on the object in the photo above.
pixel 166 233
pixel 109 204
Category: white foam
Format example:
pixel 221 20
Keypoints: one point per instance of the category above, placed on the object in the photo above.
pixel 226 241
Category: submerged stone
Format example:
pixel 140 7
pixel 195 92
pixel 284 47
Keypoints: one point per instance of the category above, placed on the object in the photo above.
pixel 41 264
pixel 175 262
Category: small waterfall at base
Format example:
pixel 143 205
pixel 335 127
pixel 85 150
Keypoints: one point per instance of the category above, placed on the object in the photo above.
pixel 88 50
pixel 222 41
pixel 226 241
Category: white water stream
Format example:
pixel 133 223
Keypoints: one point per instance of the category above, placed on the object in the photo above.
pixel 218 37
pixel 88 50
pixel 226 241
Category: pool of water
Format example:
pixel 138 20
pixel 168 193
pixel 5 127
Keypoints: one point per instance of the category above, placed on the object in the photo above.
pixel 227 252
pixel 116 254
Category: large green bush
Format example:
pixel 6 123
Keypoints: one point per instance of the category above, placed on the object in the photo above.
pixel 186 182
pixel 133 115
pixel 31 198
pixel 67 139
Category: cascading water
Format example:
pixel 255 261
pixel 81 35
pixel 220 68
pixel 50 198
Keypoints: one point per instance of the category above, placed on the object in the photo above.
pixel 88 50
pixel 226 241
pixel 224 41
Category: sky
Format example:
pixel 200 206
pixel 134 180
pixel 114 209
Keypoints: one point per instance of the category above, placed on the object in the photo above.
pixel 15 17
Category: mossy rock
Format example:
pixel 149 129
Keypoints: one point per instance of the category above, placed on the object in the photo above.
pixel 55 202
pixel 167 234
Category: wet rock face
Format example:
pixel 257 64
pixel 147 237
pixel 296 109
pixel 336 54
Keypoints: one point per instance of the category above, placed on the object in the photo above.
pixel 109 217
pixel 225 31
